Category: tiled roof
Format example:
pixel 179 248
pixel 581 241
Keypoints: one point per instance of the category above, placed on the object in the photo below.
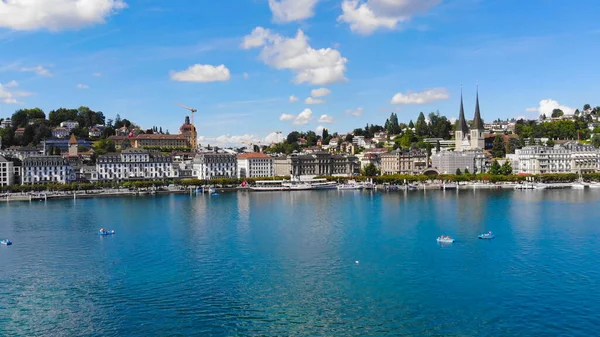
pixel 164 137
pixel 253 155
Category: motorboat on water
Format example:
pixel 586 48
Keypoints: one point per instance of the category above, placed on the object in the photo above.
pixel 578 186
pixel 445 239
pixel 486 236
pixel 6 242
pixel 103 231
pixel 594 185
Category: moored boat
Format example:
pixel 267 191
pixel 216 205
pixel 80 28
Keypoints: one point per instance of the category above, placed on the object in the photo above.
pixel 350 185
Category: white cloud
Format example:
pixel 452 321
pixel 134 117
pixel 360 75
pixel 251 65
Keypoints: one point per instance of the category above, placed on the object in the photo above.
pixel 321 92
pixel 97 74
pixel 226 140
pixel 313 66
pixel 82 86
pixel 287 117
pixel 365 17
pixel 11 84
pixel 202 73
pixel 319 130
pixel 38 70
pixel 423 97
pixel 293 99
pixel 9 96
pixel 274 137
pixel 56 15
pixel 310 100
pixel 355 112
pixel 547 105
pixel 292 10
pixel 246 76
pixel 325 119
pixel 301 119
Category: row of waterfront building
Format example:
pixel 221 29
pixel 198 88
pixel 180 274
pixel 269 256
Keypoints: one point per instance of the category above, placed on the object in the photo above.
pixel 143 164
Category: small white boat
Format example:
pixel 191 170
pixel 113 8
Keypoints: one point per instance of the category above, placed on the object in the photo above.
pixel 6 242
pixel 594 185
pixel 445 239
pixel 350 186
pixel 577 186
pixel 486 236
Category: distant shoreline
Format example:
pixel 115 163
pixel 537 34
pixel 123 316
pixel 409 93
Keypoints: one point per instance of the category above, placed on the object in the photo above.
pixel 50 195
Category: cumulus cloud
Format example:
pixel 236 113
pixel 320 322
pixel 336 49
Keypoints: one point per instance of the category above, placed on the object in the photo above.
pixel 202 73
pixel 38 70
pixel 292 10
pixel 301 119
pixel 56 15
pixel 325 119
pixel 321 92
pixel 314 66
pixel 367 16
pixel 287 117
pixel 9 95
pixel 546 107
pixel 310 100
pixel 423 97
pixel 293 99
pixel 355 112
pixel 229 140
pixel 319 129
pixel 82 86
pixel 274 137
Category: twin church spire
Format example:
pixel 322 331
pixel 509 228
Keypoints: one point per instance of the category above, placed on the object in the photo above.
pixel 469 138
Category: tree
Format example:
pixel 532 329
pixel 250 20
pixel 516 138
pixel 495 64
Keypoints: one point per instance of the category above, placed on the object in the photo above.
pixel 108 131
pixel 513 144
pixel 587 107
pixel 458 172
pixel 550 143
pixel 421 128
pixel 349 138
pixel 467 171
pixel 104 146
pixel 428 149
pixel 596 140
pixel 411 125
pixel 437 146
pixel 293 137
pixel 495 168
pixel 498 148
pixel 325 133
pixel 370 170
pixel 506 168
pixel 557 113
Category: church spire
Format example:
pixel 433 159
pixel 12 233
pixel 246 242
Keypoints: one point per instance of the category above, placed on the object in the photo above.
pixel 477 122
pixel 461 124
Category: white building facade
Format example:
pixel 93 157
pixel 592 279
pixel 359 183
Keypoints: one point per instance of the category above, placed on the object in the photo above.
pixel 447 162
pixel 47 169
pixel 568 158
pixel 134 164
pixel 7 174
pixel 255 165
pixel 69 125
pixel 211 165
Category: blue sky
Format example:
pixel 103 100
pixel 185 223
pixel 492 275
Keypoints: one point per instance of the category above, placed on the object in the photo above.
pixel 363 59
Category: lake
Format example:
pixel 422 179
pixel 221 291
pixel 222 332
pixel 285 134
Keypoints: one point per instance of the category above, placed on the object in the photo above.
pixel 306 263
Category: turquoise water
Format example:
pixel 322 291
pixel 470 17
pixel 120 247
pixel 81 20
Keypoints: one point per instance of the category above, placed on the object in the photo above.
pixel 284 264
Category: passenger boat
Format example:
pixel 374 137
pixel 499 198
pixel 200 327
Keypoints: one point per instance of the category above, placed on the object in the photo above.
pixel 445 239
pixel 298 186
pixel 486 236
pixel 6 242
pixel 325 185
pixel 270 185
pixel 350 185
